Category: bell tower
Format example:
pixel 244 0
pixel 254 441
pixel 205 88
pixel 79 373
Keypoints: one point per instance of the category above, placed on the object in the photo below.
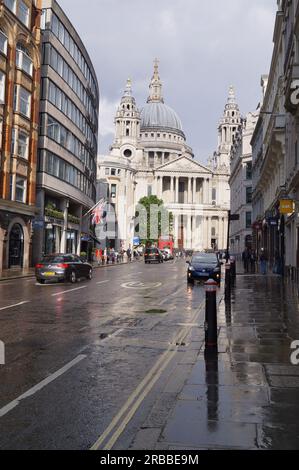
pixel 229 125
pixel 127 120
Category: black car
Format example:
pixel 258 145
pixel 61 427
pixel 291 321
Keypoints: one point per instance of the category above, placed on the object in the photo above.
pixel 204 266
pixel 62 268
pixel 153 255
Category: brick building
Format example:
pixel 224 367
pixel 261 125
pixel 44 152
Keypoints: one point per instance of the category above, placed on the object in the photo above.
pixel 19 120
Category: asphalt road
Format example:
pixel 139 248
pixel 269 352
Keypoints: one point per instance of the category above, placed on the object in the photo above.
pixel 84 363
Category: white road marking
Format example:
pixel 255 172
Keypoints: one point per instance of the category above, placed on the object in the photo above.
pixel 6 409
pixel 116 333
pixel 141 285
pixel 67 291
pixel 15 305
pixel 126 413
pixel 102 282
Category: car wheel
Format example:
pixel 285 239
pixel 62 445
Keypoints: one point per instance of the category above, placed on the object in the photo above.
pixel 73 277
pixel 90 275
pixel 41 281
pixel 190 281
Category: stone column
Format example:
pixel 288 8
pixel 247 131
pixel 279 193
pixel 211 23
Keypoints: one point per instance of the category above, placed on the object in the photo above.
pixel 177 190
pixel 161 187
pixel 65 222
pixel 189 199
pixel 205 191
pixel 79 233
pixel 220 234
pixel 189 236
pixel 172 196
pixel 209 233
pixel 176 230
pixel 194 190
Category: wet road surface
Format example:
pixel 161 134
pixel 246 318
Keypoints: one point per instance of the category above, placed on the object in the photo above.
pixel 78 357
pixel 118 363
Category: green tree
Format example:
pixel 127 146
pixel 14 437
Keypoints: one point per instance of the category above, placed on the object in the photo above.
pixel 153 219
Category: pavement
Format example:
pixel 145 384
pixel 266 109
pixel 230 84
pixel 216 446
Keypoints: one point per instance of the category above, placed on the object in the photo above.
pixel 118 363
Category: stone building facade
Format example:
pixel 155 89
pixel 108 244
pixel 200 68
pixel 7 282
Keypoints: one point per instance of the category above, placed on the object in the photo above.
pixel 20 40
pixel 241 186
pixel 150 156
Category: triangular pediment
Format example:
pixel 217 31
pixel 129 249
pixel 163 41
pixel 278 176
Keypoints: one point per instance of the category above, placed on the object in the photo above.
pixel 184 165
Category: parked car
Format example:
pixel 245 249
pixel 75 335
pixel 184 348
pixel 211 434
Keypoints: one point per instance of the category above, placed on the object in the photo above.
pixel 153 255
pixel 169 254
pixel 62 268
pixel 204 266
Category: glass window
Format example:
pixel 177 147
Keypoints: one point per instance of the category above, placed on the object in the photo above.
pixel 23 60
pixel 24 103
pixel 55 24
pixel 249 171
pixel 11 4
pixel 19 143
pixel 20 189
pixel 2 87
pixel 3 43
pixel 23 144
pixel 248 195
pixel 248 220
pixel 113 190
pixel 23 13
pixel 107 171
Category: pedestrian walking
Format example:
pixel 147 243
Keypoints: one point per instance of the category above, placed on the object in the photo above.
pixel 263 261
pixel 129 254
pixel 246 260
pixel 252 262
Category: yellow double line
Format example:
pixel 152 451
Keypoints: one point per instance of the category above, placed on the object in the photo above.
pixel 124 416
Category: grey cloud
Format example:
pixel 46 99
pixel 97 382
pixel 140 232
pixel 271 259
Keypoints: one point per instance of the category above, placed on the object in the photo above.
pixel 203 47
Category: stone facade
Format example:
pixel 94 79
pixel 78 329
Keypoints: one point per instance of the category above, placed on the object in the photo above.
pixel 150 156
pixel 19 118
pixel 241 186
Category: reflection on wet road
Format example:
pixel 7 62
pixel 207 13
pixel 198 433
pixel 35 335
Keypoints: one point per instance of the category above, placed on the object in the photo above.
pixel 76 354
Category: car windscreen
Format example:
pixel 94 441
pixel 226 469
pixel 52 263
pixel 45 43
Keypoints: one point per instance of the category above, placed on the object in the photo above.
pixel 152 250
pixel 53 259
pixel 204 259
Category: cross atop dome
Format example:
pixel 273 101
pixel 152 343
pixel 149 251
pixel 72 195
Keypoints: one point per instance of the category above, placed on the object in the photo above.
pixel 231 95
pixel 128 90
pixel 156 86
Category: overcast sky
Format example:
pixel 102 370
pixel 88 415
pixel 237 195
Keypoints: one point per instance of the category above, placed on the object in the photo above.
pixel 203 48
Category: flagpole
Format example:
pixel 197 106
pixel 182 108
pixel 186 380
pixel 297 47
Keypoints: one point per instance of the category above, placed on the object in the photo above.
pixel 94 207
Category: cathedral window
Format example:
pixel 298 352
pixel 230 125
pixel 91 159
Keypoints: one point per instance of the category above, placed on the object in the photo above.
pixel 128 153
pixel 107 171
pixel 127 132
pixel 113 172
pixel 113 190
pixel 152 135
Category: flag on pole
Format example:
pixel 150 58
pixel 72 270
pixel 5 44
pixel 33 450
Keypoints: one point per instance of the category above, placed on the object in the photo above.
pixel 97 213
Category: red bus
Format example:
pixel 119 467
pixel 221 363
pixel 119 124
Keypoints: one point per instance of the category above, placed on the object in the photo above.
pixel 166 243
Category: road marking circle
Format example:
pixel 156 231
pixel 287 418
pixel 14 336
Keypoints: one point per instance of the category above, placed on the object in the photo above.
pixel 141 285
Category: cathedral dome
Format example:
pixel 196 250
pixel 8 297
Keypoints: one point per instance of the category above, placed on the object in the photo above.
pixel 157 115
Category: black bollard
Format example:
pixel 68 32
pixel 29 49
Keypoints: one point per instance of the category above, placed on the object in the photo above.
pixel 227 282
pixel 211 330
